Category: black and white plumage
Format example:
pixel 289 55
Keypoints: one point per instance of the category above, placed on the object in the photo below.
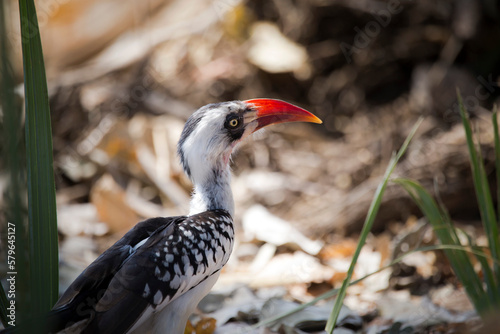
pixel 152 279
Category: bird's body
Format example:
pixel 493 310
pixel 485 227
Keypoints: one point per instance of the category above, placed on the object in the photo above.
pixel 183 255
pixel 152 279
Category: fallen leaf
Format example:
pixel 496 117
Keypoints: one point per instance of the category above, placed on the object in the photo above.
pixel 260 224
pixel 111 204
pixel 206 326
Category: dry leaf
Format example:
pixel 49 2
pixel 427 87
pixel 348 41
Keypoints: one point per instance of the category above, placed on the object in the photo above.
pixel 111 204
pixel 206 326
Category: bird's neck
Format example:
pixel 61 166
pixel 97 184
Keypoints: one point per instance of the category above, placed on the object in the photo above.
pixel 213 191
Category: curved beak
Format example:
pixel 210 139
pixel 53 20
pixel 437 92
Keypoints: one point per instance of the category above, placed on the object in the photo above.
pixel 270 111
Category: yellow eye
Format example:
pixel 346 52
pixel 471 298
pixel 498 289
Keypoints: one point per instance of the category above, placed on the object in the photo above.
pixel 234 122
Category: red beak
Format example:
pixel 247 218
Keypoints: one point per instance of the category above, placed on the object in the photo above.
pixel 271 111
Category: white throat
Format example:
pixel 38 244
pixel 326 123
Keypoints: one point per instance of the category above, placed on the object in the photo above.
pixel 213 191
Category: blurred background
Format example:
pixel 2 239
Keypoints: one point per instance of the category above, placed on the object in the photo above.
pixel 125 75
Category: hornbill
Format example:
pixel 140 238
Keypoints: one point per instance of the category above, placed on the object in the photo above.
pixel 153 278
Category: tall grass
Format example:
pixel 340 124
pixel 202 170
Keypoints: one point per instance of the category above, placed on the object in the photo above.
pixel 11 161
pixel 36 243
pixel 447 235
pixel 370 218
pixel 44 272
pixel 482 289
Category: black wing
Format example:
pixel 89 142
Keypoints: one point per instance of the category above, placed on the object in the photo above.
pixel 171 262
pixel 176 255
pixel 80 299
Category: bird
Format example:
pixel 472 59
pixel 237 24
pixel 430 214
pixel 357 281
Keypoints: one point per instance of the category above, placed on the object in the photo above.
pixel 152 279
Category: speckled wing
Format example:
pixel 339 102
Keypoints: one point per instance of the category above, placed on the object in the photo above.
pixel 172 261
pixel 79 300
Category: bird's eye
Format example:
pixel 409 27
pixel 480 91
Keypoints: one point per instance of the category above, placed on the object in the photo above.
pixel 234 122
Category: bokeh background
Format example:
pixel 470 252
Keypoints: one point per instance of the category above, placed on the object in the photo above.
pixel 125 75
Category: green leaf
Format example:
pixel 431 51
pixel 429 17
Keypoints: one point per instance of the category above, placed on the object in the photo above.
pixel 12 147
pixel 497 153
pixel 483 194
pixel 478 253
pixel 489 278
pixel 43 253
pixel 370 218
pixel 459 260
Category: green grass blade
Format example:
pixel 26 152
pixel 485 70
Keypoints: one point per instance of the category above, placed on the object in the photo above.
pixel 497 154
pixel 446 234
pixel 6 88
pixel 12 147
pixel 477 252
pixel 495 292
pixel 488 275
pixel 482 189
pixel 41 187
pixel 489 280
pixel 370 218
